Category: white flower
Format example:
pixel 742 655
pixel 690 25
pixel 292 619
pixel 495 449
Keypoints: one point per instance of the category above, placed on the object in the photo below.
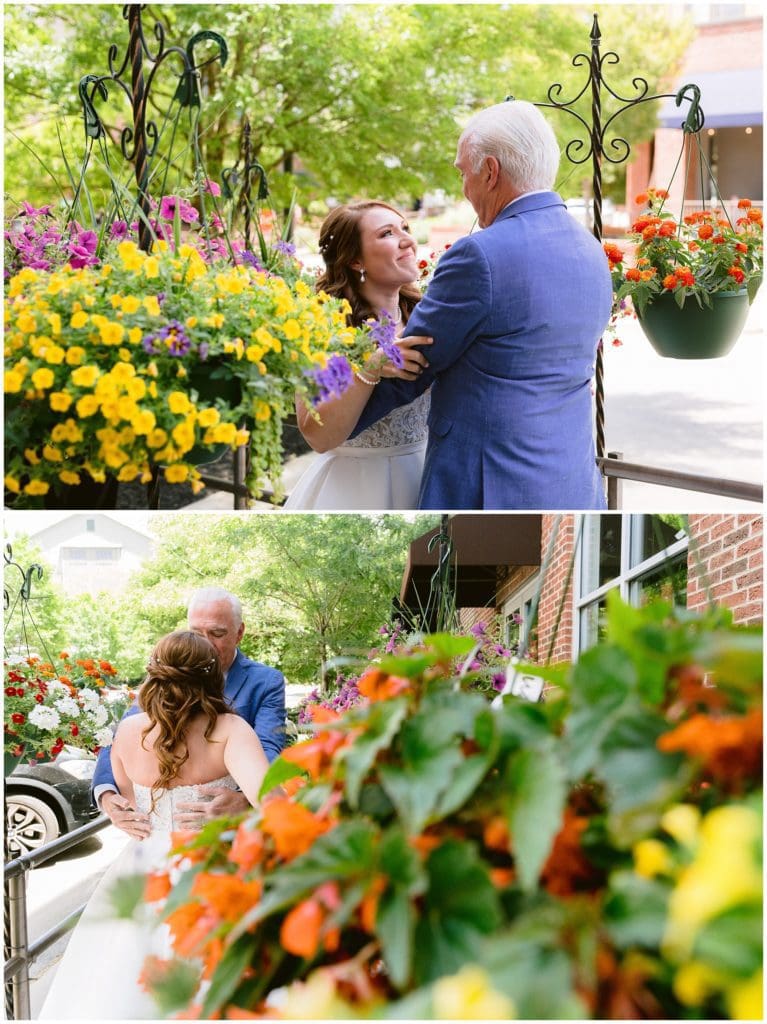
pixel 45 718
pixel 68 706
pixel 98 716
pixel 103 737
pixel 55 687
pixel 89 700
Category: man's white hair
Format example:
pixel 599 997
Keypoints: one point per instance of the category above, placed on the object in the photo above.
pixel 520 138
pixel 211 595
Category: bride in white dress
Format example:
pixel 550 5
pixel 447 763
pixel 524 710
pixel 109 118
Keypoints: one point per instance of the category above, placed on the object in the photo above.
pixel 370 260
pixel 184 737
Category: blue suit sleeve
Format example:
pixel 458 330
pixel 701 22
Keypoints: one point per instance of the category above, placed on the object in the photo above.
pixel 270 718
pixel 103 774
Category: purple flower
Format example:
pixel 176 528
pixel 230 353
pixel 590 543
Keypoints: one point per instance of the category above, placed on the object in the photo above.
pixel 82 249
pixel 186 212
pixel 478 629
pixel 499 680
pixel 286 248
pixel 171 338
pixel 118 229
pixel 212 187
pixel 202 351
pixel 251 259
pixel 41 211
pixel 334 379
pixel 384 331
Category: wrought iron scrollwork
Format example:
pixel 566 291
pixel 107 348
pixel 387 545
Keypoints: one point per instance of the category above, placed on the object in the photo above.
pixel 139 141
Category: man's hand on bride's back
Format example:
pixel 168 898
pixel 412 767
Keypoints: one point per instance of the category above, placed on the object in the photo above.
pixel 415 360
pixel 124 816
pixel 221 802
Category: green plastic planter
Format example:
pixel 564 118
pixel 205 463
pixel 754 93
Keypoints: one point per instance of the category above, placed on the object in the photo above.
pixel 692 332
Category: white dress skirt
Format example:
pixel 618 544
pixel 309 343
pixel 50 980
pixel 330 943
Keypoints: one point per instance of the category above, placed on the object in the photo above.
pixel 98 977
pixel 381 468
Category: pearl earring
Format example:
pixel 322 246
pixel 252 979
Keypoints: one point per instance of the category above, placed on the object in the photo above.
pixel 362 275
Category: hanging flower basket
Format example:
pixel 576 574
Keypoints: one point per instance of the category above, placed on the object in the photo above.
pixel 692 331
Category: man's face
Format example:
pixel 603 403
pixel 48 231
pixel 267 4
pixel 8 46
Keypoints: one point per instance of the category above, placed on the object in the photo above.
pixel 474 185
pixel 217 623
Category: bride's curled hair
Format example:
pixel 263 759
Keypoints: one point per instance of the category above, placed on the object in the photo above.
pixel 184 680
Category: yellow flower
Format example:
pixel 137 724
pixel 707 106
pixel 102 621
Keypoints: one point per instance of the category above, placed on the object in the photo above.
pixel 681 822
pixel 42 378
pixel 242 437
pixel 54 354
pixel 191 321
pixel 267 339
pixel 745 999
pixel 112 333
pixel 75 355
pixel 68 477
pixel 291 329
pixel 135 335
pixel 151 267
pixel 131 256
pixel 254 353
pixel 151 305
pixel 128 472
pixel 208 417
pixel 36 487
pixel 129 304
pixel 79 319
pixel 114 456
pixel 694 982
pixel 55 321
pixel 85 376
pixel 66 431
pixel 179 403
pixel 143 422
pixel 262 411
pixel 121 373
pixel 87 406
pixel 215 320
pixel 651 858
pixel 13 381
pixel 26 322
pixel 183 435
pixel 12 484
pixel 222 433
pixel 136 388
pixel 302 288
pixel 31 456
pixel 176 474
pixel 469 995
pixel 59 401
pixel 156 438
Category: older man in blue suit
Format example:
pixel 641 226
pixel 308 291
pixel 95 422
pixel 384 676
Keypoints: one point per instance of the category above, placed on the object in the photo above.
pixel 254 691
pixel 516 311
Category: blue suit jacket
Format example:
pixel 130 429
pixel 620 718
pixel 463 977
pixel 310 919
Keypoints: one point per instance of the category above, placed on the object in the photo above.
pixel 516 312
pixel 256 692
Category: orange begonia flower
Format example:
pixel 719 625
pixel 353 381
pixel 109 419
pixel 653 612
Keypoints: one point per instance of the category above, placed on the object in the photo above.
pixel 190 926
pixel 730 747
pixel 496 834
pixel 369 904
pixel 212 957
pixel 300 931
pixel 567 870
pixel 315 755
pixel 157 886
pixel 229 895
pixel 292 826
pixel 247 848
pixel 323 716
pixel 377 685
pixel 502 877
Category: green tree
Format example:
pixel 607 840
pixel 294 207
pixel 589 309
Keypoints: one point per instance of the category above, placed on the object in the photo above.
pixel 341 99
pixel 37 626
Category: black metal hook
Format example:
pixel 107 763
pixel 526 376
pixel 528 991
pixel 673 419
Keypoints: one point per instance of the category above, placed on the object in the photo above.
pixel 695 119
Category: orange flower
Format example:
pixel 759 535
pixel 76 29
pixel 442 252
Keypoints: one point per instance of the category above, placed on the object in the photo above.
pixel 744 204
pixel 292 826
pixel 755 215
pixel 741 247
pixel 502 877
pixel 315 755
pixel 641 199
pixel 686 276
pixel 705 231
pixel 64 656
pixel 300 931
pixel 667 229
pixel 369 904
pixel 737 274
pixel 567 870
pixel 613 253
pixel 229 895
pixel 157 886
pixel 730 747
pixel 213 954
pixel 649 274
pixel 190 926
pixel 377 685
pixel 247 848
pixel 632 274
pixel 649 232
pixel 496 834
pixel 670 281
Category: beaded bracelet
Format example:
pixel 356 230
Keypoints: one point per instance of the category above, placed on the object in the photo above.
pixel 366 380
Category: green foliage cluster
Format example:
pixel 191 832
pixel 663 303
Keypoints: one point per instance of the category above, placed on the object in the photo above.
pixel 546 860
pixel 342 100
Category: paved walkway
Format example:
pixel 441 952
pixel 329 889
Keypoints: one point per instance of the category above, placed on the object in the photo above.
pixel 697 416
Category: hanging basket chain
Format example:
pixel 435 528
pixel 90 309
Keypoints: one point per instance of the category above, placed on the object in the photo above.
pixel 21 600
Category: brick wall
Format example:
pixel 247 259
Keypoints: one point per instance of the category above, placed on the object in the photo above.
pixel 551 593
pixel 726 562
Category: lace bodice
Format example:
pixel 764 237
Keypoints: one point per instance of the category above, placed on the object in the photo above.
pixel 401 426
pixel 161 818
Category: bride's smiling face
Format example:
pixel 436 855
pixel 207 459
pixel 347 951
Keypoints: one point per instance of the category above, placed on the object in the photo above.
pixel 387 249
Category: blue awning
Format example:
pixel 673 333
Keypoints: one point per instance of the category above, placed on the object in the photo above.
pixel 729 99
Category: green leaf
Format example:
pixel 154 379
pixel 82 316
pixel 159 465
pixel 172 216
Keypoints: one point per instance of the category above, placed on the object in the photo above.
pixel 537 798
pixel 401 862
pixel 460 906
pixel 416 789
pixel 732 941
pixel 126 894
pixel 636 773
pixel 175 987
pixel 279 771
pixel 466 777
pixel 395 927
pixel 228 974
pixel 381 726
pixel 635 910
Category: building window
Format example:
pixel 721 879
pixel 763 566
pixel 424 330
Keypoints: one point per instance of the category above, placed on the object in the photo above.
pixel 515 615
pixel 90 554
pixel 90 525
pixel 641 556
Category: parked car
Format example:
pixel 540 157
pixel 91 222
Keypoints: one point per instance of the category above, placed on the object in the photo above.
pixel 44 801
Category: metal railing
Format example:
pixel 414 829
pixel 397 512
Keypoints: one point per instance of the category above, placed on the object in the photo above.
pixel 616 470
pixel 19 954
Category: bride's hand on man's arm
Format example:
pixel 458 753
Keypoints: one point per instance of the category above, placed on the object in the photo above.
pixel 415 361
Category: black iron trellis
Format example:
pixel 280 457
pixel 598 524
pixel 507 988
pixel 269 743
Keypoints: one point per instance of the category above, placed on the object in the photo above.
pixel 138 142
pixel 616 150
pixel 17 602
